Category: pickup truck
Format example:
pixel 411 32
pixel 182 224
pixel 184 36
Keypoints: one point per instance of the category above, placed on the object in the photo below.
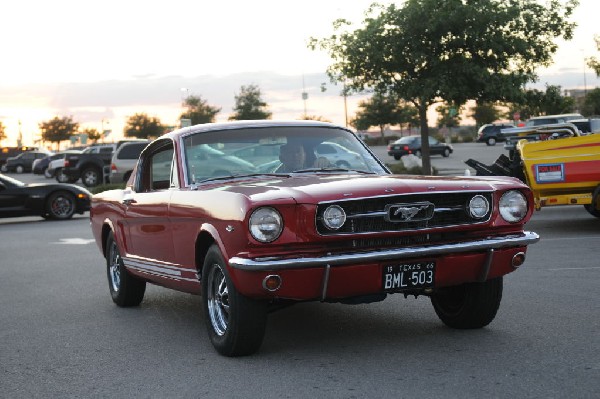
pixel 93 165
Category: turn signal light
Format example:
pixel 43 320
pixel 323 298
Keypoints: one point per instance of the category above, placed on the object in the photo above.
pixel 272 282
pixel 518 259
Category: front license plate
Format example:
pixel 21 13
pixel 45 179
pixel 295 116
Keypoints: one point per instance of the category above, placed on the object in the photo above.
pixel 407 276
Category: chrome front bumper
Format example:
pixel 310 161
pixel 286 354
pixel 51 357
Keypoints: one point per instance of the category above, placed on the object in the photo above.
pixel 485 244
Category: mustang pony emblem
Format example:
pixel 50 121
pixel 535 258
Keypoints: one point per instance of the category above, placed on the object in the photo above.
pixel 409 212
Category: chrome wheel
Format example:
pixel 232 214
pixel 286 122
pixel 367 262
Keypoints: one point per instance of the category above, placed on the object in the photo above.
pixel 90 178
pixel 114 267
pixel 61 206
pixel 218 300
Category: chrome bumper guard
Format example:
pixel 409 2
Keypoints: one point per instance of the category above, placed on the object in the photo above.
pixel 485 244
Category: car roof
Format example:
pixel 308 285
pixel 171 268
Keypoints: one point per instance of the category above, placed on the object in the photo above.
pixel 208 127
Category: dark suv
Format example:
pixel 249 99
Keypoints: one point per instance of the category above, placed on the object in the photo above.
pixel 490 133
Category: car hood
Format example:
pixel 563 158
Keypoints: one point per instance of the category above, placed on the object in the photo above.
pixel 318 188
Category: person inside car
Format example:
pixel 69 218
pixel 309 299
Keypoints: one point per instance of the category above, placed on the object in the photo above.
pixel 293 157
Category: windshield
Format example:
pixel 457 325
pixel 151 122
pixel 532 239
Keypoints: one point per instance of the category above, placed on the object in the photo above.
pixel 278 149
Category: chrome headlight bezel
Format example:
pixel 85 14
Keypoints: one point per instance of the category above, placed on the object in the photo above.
pixel 265 224
pixel 513 206
pixel 334 217
pixel 479 207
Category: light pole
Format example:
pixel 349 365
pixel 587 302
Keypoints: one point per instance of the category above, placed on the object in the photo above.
pixel 184 97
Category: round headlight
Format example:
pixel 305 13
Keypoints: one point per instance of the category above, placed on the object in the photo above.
pixel 478 206
pixel 513 206
pixel 265 224
pixel 334 217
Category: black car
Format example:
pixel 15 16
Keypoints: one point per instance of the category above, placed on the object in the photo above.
pixel 490 133
pixel 24 161
pixel 412 145
pixel 50 201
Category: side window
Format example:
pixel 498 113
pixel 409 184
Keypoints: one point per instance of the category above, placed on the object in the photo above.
pixel 156 170
pixel 161 169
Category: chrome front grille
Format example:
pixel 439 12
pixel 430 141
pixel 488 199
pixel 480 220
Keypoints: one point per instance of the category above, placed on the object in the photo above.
pixel 371 215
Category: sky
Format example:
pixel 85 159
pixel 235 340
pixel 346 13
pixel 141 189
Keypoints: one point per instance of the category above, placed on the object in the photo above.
pixel 101 62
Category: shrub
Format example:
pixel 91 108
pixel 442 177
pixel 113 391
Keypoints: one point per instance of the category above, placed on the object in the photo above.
pixel 106 187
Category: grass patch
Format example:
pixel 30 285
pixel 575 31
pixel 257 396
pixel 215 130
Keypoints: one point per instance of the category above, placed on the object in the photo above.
pixel 106 187
pixel 400 169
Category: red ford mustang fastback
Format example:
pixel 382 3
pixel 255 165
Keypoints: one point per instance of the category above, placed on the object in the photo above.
pixel 254 215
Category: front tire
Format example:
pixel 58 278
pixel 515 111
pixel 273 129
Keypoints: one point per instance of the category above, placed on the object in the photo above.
pixel 60 206
pixel 468 306
pixel 236 324
pixel 19 169
pixel 125 290
pixel 446 153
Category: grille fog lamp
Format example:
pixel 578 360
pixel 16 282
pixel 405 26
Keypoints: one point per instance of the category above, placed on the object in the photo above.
pixel 513 206
pixel 478 207
pixel 334 217
pixel 265 224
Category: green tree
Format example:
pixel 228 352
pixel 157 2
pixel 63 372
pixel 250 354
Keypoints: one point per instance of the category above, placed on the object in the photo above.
pixel 407 115
pixel 484 112
pixel 92 134
pixel 143 126
pixel 535 102
pixel 591 105
pixel 448 115
pixel 380 110
pixel 58 129
pixel 425 51
pixel 2 132
pixel 319 118
pixel 199 111
pixel 594 62
pixel 249 105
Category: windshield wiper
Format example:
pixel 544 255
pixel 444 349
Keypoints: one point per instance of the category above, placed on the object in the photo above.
pixel 333 169
pixel 241 176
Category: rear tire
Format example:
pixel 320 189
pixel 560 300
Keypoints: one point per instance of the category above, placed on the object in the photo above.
pixel 19 169
pixel 61 177
pixel 125 290
pixel 491 141
pixel 397 157
pixel 468 306
pixel 236 324
pixel 91 177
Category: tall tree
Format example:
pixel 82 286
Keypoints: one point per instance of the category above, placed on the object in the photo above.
pixel 143 126
pixel 249 105
pixel 92 134
pixel 58 129
pixel 199 111
pixel 594 62
pixel 448 115
pixel 591 106
pixel 425 51
pixel 484 112
pixel 380 110
pixel 535 102
pixel 2 132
